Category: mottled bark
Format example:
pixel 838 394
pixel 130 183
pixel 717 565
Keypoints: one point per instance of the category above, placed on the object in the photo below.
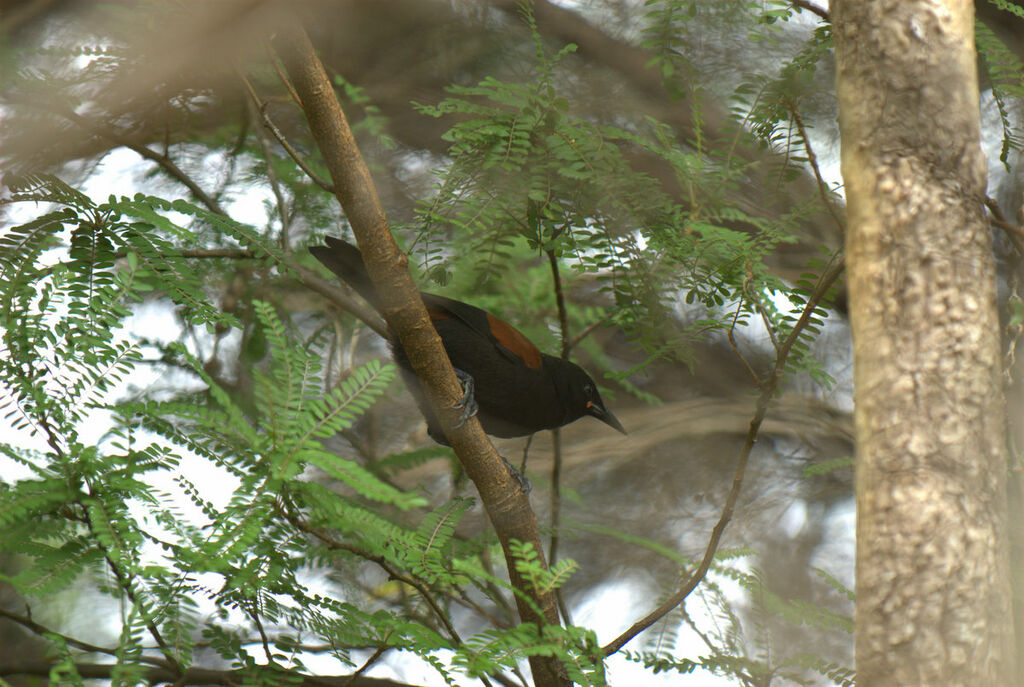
pixel 933 594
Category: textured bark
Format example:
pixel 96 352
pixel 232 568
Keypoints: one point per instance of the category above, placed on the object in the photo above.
pixel 933 595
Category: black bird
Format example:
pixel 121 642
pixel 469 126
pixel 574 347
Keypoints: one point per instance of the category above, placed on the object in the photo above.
pixel 517 389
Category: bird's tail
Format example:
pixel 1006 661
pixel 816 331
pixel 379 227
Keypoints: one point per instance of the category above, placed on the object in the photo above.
pixel 346 261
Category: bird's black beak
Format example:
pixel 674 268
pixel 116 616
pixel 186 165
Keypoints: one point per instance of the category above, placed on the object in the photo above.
pixel 604 415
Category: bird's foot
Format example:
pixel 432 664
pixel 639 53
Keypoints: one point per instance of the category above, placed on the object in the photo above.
pixel 520 477
pixel 468 401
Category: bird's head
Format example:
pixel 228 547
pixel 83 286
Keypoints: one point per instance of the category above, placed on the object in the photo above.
pixel 581 395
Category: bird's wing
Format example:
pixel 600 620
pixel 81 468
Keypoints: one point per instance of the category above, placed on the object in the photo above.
pixel 508 340
pixel 346 261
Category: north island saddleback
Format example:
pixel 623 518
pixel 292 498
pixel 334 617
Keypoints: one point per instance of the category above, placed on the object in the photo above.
pixel 516 389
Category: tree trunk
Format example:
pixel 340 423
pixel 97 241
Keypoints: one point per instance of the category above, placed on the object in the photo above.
pixel 933 591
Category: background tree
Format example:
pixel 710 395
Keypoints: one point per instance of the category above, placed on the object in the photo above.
pixel 933 585
pixel 654 201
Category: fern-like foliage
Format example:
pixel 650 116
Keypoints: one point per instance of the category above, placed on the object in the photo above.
pixel 543 580
pixel 212 496
pixel 1008 6
pixel 529 176
pixel 1006 77
pixel 222 518
pixel 526 173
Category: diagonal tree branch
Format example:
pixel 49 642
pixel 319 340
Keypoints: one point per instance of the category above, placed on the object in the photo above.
pixel 506 504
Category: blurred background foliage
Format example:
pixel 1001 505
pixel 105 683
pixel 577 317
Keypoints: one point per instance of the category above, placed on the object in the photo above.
pixel 171 365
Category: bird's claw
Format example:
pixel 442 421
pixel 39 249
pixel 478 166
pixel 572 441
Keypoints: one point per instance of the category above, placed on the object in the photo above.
pixel 520 477
pixel 467 403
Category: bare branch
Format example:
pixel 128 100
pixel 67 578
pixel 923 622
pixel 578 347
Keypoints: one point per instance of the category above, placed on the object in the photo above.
pixel 588 330
pixel 812 8
pixel 36 628
pixel 556 436
pixel 275 186
pixel 261 107
pixel 812 158
pixel 1014 232
pixel 370 661
pixel 731 336
pixel 769 385
pixel 115 136
pixel 200 676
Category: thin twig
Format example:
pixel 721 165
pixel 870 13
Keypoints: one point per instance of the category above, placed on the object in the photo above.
pixel 556 516
pixel 192 676
pixel 334 544
pixel 563 315
pixel 370 661
pixel 588 330
pixel 812 8
pixel 490 587
pixel 556 438
pixel 766 320
pixel 825 282
pixel 272 54
pixel 731 336
pixel 1013 231
pixel 201 253
pixel 275 185
pixel 125 583
pixel 264 640
pixel 41 630
pixel 243 135
pixel 812 159
pixel 164 161
pixel 261 107
pixel 342 299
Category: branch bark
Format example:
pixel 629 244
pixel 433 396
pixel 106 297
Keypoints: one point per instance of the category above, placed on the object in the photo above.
pixel 506 504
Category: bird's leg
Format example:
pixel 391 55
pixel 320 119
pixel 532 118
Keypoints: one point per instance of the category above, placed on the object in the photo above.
pixel 469 408
pixel 468 401
pixel 526 452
